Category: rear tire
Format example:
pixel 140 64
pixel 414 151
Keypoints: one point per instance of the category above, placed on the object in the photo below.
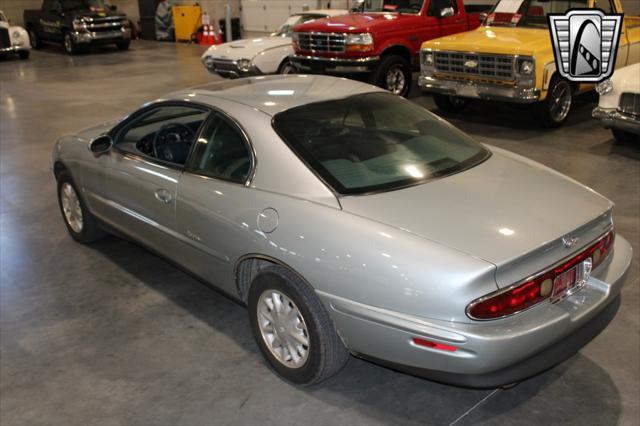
pixel 81 224
pixel 393 73
pixel 447 103
pixel 297 317
pixel 623 136
pixel 555 109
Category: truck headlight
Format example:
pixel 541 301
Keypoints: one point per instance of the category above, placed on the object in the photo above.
pixel 362 42
pixel 426 57
pixel 526 67
pixel 244 65
pixel 79 25
pixel 604 87
pixel 526 71
pixel 295 39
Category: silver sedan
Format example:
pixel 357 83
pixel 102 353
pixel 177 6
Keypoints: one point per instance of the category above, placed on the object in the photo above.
pixel 349 220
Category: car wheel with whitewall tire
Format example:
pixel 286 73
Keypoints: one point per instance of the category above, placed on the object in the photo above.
pixel 82 225
pixel 554 110
pixel 393 73
pixel 292 327
pixel 287 67
pixel 448 103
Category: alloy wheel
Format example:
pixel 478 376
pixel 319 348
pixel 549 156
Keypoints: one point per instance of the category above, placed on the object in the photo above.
pixel 283 328
pixel 68 43
pixel 396 81
pixel 560 101
pixel 71 207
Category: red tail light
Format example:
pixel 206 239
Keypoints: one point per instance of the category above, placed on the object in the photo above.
pixel 533 291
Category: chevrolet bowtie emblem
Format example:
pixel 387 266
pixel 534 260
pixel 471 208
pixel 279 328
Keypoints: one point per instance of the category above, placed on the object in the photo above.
pixel 568 242
pixel 471 63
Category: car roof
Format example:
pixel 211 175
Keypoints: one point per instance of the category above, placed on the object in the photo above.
pixel 276 93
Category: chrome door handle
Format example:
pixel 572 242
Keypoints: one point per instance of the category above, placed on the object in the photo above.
pixel 163 196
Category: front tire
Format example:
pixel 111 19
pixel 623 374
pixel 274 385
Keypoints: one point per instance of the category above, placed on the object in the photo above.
pixel 293 329
pixel 554 110
pixel 393 74
pixel 123 45
pixel 81 224
pixel 447 103
pixel 70 46
pixel 33 39
pixel 287 68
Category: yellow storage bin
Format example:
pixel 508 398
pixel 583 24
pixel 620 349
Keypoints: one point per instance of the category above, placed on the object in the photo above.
pixel 186 21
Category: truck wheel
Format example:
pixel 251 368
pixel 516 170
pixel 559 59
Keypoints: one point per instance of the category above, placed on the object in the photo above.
pixel 24 54
pixel 33 39
pixel 123 45
pixel 555 109
pixel 622 135
pixel 70 46
pixel 293 329
pixel 447 103
pixel 394 74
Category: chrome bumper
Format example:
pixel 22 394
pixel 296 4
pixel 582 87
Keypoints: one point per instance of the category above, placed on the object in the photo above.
pixel 489 353
pixel 227 69
pixel 613 118
pixel 90 36
pixel 479 90
pixel 320 65
pixel 13 49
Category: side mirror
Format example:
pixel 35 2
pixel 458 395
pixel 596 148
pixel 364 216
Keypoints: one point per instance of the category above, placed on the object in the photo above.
pixel 101 145
pixel 445 12
pixel 483 17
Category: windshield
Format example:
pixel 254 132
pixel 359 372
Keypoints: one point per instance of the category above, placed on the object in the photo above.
pixel 529 13
pixel 94 5
pixel 375 142
pixel 400 6
pixel 286 30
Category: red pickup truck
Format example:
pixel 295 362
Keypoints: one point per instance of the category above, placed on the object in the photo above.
pixel 381 40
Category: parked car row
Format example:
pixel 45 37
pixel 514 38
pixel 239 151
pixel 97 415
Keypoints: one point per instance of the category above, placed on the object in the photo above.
pixel 507 58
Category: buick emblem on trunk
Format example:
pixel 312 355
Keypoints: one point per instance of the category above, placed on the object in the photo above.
pixel 585 43
pixel 568 242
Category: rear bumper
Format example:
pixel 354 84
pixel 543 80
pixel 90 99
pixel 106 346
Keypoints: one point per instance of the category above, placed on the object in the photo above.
pixel 489 353
pixel 474 90
pixel 324 65
pixel 613 119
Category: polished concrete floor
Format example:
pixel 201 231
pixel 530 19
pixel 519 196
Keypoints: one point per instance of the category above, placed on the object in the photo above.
pixel 109 334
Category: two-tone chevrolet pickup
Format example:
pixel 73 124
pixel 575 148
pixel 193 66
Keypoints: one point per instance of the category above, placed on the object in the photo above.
pixel 380 41
pixel 510 58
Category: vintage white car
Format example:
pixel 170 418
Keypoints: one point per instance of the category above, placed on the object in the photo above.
pixel 619 106
pixel 13 39
pixel 264 55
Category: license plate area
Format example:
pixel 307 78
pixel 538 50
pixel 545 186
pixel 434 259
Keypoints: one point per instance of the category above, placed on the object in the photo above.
pixel 571 280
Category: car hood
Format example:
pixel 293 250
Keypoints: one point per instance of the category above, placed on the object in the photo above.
pixel 247 48
pixel 499 40
pixel 497 211
pixel 359 22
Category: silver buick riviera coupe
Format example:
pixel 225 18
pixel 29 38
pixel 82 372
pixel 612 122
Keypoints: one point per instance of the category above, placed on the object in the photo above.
pixel 349 220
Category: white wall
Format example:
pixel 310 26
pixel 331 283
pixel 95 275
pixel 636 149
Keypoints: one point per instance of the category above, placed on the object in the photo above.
pixel 14 8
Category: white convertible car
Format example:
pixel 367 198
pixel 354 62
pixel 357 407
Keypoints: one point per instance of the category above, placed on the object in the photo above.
pixel 619 106
pixel 265 55
pixel 13 39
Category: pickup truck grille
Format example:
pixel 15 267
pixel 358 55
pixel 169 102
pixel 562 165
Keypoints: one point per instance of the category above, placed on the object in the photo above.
pixel 110 23
pixel 321 42
pixel 478 65
pixel 4 38
pixel 630 104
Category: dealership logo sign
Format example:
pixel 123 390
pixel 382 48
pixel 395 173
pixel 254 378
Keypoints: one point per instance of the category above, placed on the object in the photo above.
pixel 585 42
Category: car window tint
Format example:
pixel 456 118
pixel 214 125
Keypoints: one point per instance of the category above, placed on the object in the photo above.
pixel 165 133
pixel 221 152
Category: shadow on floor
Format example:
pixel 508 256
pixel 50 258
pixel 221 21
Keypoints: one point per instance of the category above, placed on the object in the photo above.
pixel 587 393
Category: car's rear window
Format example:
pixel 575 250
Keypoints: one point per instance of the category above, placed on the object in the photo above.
pixel 375 142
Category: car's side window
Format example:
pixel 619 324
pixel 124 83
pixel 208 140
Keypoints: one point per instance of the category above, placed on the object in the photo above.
pixel 164 133
pixel 221 152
